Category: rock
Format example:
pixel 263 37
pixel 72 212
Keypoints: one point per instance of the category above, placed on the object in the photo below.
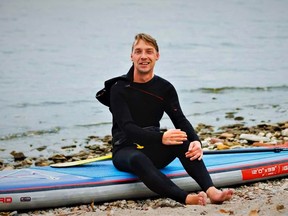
pixel 41 148
pixel 280 207
pixel 230 115
pixel 130 202
pixel 81 155
pixel 222 147
pixel 14 213
pixel 255 138
pixel 269 135
pixel 284 132
pixel 205 143
pixel 93 137
pixel 42 162
pixel 107 138
pixel 216 140
pixel 277 134
pixel 239 118
pixel 58 157
pixel 68 147
pixel 94 147
pixel 226 135
pixel 9 167
pixel 254 212
pixel 27 162
pixel 18 155
pixel 236 147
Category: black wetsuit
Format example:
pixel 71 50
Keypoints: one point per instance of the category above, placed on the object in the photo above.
pixel 137 109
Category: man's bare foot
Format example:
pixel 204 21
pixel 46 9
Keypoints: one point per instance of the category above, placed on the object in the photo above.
pixel 217 196
pixel 196 199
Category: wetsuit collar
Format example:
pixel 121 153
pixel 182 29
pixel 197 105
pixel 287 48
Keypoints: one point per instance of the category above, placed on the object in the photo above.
pixel 130 74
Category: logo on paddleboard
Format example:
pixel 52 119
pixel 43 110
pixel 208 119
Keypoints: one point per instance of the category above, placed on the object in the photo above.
pixel 25 199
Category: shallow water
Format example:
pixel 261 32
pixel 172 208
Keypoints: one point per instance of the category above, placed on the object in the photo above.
pixel 222 56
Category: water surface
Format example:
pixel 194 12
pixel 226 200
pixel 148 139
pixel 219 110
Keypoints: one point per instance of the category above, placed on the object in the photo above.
pixel 222 56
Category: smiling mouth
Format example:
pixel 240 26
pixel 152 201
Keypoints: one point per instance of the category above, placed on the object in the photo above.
pixel 144 63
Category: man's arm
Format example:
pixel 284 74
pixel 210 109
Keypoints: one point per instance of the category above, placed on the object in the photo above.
pixel 174 111
pixel 122 116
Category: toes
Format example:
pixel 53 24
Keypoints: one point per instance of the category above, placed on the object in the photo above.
pixel 222 196
pixel 199 199
pixel 202 198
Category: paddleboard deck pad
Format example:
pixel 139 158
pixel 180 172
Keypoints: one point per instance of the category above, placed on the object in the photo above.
pixel 47 187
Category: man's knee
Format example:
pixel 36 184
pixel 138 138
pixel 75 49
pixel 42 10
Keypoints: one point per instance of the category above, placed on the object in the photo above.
pixel 137 157
pixel 139 161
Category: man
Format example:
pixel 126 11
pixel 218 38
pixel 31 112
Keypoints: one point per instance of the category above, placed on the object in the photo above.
pixel 137 104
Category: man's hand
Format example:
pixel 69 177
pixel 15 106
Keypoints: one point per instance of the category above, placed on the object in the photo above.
pixel 174 137
pixel 195 151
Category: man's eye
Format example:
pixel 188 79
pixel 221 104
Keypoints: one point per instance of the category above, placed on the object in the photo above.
pixel 137 51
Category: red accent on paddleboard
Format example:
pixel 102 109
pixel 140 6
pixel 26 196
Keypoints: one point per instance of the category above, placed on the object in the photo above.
pixel 6 200
pixel 265 171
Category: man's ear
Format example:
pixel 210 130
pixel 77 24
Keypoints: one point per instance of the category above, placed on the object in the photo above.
pixel 157 56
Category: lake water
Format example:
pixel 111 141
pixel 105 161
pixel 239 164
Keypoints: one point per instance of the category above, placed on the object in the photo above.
pixel 227 56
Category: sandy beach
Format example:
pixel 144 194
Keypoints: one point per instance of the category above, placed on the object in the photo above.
pixel 263 199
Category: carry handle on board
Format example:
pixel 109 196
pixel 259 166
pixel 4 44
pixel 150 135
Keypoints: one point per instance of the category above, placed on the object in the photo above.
pixel 246 150
pixel 231 151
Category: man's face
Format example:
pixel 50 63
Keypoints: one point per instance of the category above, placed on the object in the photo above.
pixel 144 57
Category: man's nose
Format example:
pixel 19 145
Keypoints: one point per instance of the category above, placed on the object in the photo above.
pixel 143 55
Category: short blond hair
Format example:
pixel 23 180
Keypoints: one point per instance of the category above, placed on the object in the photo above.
pixel 147 38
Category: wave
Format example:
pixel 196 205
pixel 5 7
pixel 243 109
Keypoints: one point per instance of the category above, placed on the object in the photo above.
pixel 48 103
pixel 30 134
pixel 94 125
pixel 220 90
